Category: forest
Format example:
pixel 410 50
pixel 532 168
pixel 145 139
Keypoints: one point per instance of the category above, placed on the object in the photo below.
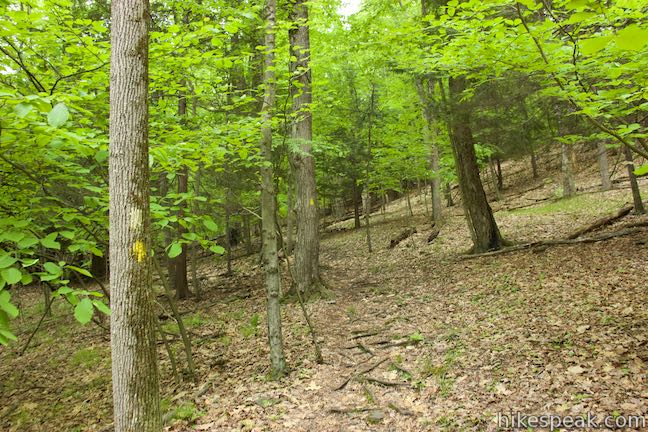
pixel 321 215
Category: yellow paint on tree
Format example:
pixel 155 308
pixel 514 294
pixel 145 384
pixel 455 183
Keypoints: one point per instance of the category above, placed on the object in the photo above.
pixel 312 202
pixel 139 250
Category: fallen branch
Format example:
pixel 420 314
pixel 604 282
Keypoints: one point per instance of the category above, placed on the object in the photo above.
pixel 349 410
pixel 384 383
pixel 541 245
pixel 602 222
pixel 402 236
pixel 360 373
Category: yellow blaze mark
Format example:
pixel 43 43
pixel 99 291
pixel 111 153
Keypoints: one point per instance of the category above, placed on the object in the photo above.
pixel 139 250
pixel 312 202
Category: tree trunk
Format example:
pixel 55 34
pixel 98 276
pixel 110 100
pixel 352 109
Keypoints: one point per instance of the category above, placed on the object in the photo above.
pixel 636 193
pixel 228 232
pixel 356 203
pixel 367 209
pixel 136 397
pixel 180 275
pixel 534 164
pixel 247 233
pixel 606 184
pixel 448 195
pixel 500 177
pixel 290 220
pixel 194 245
pixel 426 95
pixel 268 203
pixel 569 186
pixel 495 181
pixel 306 268
pixel 481 223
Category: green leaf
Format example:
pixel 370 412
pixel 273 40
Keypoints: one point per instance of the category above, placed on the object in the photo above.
pixel 84 272
pixel 175 250
pixel 58 115
pixel 11 275
pixel 13 236
pixel 101 307
pixel 5 304
pixel 642 170
pixel 595 44
pixel 83 311
pixel 22 109
pixel 50 241
pixel 101 156
pixel 217 249
pixel 27 242
pixel 210 225
pixel 6 260
pixel 6 334
pixel 52 268
pixel 231 27
pixel 632 38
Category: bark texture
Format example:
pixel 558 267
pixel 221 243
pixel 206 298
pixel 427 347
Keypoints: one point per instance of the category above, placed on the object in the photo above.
pixel 606 183
pixel 268 203
pixel 481 223
pixel 636 192
pixel 569 185
pixel 134 354
pixel 306 269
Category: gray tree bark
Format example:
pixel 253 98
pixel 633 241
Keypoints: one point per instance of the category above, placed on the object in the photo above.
pixel 133 339
pixel 269 203
pixel 569 185
pixel 306 268
pixel 479 215
pixel 606 183
pixel 636 192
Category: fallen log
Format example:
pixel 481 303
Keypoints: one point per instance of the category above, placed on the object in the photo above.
pixel 433 235
pixel 402 236
pixel 621 213
pixel 543 244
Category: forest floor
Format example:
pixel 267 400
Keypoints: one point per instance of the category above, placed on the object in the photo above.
pixel 414 338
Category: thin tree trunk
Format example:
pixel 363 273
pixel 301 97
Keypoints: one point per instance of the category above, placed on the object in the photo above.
pixel 194 245
pixel 569 186
pixel 290 220
pixel 479 215
pixel 356 203
pixel 228 232
pixel 636 193
pixel 367 210
pixel 534 164
pixel 606 184
pixel 136 396
pixel 495 181
pixel 180 276
pixel 448 195
pixel 268 203
pixel 247 233
pixel 306 264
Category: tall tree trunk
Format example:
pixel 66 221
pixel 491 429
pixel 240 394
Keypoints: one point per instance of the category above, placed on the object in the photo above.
pixel 290 220
pixel 636 193
pixel 426 95
pixel 448 195
pixel 606 184
pixel 356 202
pixel 500 177
pixel 268 203
pixel 569 186
pixel 479 215
pixel 228 232
pixel 180 275
pixel 306 268
pixel 195 280
pixel 534 164
pixel 367 209
pixel 495 181
pixel 136 396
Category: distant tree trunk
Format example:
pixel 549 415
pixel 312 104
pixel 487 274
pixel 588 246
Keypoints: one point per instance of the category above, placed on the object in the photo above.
pixel 269 203
pixel 448 195
pixel 356 203
pixel 228 232
pixel 168 230
pixel 494 181
pixel 569 186
pixel 483 228
pixel 426 95
pixel 136 397
pixel 606 184
pixel 180 276
pixel 194 245
pixel 534 164
pixel 367 210
pixel 636 193
pixel 290 220
pixel 306 263
pixel 500 177
pixel 247 233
